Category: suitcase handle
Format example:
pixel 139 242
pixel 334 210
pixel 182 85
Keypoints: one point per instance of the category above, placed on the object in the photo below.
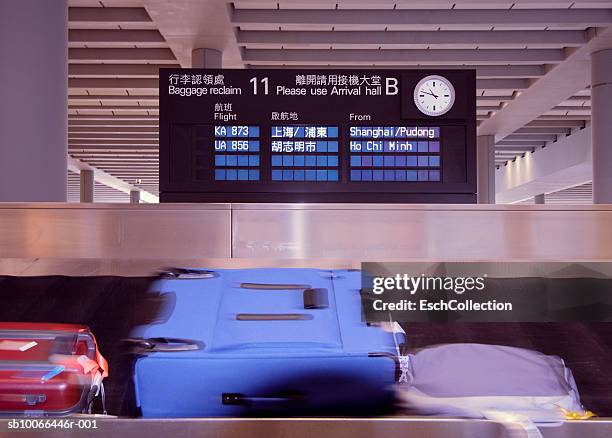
pixel 272 286
pixel 152 345
pixel 273 317
pixel 316 299
pixel 237 399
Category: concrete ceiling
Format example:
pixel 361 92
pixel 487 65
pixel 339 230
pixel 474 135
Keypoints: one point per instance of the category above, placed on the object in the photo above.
pixel 531 57
pixel 115 52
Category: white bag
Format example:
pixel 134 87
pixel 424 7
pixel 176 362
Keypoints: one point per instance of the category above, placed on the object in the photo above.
pixel 489 381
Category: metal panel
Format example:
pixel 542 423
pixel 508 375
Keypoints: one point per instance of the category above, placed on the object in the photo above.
pixel 422 233
pixel 312 233
pixel 110 231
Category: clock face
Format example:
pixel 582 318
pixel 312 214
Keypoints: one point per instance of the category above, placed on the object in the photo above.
pixel 434 95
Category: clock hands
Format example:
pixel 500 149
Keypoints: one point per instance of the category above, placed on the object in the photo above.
pixel 431 93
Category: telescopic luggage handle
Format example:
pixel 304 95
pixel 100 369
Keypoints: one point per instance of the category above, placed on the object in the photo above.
pixel 237 399
pixel 153 345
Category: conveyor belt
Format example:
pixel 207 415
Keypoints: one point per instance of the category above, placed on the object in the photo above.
pixel 109 306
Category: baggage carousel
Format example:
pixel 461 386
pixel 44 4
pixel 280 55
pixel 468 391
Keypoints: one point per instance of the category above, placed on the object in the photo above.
pixel 51 249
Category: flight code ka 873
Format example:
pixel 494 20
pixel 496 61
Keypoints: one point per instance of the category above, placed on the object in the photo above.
pixel 390 85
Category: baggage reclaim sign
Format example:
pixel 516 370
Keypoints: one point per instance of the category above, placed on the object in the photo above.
pixel 317 135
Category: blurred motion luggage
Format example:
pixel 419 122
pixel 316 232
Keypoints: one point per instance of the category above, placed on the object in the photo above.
pixel 48 369
pixel 262 342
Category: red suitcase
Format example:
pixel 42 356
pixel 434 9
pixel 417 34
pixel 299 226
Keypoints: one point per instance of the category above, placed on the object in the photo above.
pixel 49 369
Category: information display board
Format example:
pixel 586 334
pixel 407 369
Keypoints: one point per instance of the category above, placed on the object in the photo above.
pixel 317 135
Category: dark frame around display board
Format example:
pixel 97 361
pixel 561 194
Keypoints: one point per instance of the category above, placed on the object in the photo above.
pixel 285 136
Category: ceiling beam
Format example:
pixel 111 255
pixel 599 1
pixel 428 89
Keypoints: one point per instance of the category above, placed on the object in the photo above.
pixel 116 36
pixel 94 154
pixel 110 148
pixel 540 130
pixel 560 83
pixel 520 143
pixel 416 56
pixel 502 84
pixel 482 71
pixel 114 117
pixel 135 142
pixel 114 107
pixel 101 97
pixel 513 148
pixel 555 123
pixel 434 17
pixel 101 55
pixel 493 98
pixel 75 165
pixel 107 83
pixel 79 136
pixel 398 39
pixel 563 117
pixel 117 16
pixel 531 137
pixel 117 70
pixel 111 129
pixel 113 124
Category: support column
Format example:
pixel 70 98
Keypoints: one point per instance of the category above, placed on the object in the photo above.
pixel 33 100
pixel 206 58
pixel 87 185
pixel 601 128
pixel 539 199
pixel 134 196
pixel 485 157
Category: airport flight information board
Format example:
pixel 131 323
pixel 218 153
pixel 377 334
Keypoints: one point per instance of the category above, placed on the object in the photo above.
pixel 317 135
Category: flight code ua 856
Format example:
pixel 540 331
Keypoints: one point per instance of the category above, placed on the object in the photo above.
pixel 52 423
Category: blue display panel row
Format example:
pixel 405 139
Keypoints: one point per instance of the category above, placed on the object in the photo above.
pixel 236 145
pixel 290 157
pixel 394 148
pixel 304 175
pixel 236 131
pixel 300 147
pixel 292 131
pixel 236 174
pixel 390 146
pixel 395 161
pixel 395 175
pixel 394 132
pixel 305 160
pixel 237 160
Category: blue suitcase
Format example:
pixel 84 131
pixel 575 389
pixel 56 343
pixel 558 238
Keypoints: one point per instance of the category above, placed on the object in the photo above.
pixel 262 342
